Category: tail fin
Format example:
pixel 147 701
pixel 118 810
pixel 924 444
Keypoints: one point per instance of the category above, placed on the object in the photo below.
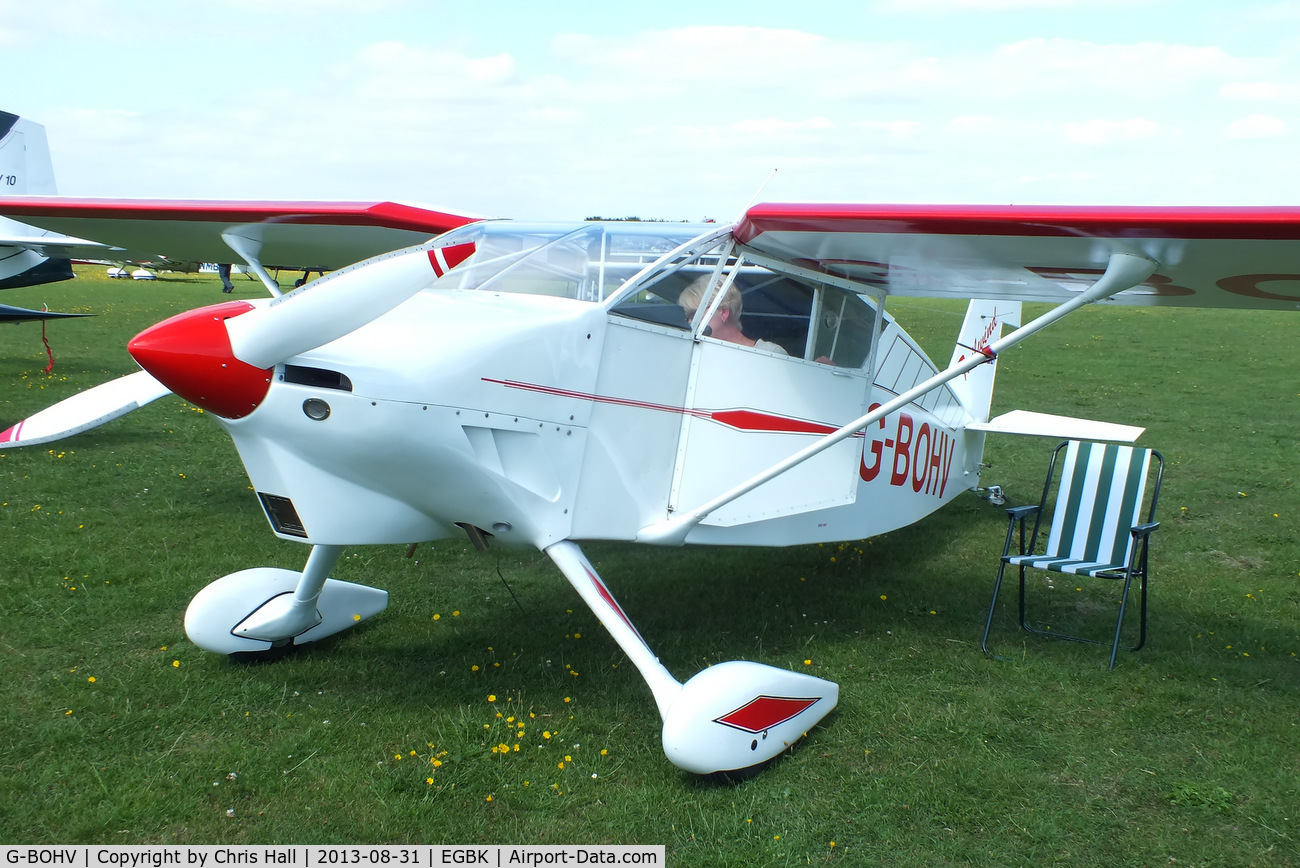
pixel 982 326
pixel 25 167
pixel 26 170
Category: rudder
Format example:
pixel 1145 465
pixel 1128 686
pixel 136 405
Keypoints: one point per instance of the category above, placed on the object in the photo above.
pixel 981 327
pixel 25 170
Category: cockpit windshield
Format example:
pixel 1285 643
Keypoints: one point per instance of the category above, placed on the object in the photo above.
pixel 583 261
pixel 792 313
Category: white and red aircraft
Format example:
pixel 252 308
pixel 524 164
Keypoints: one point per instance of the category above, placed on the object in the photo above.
pixel 539 385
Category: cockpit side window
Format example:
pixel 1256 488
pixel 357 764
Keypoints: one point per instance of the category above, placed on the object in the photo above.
pixel 813 321
pixel 843 329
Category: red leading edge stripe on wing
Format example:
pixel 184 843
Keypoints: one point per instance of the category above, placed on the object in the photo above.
pixel 741 420
pixel 392 215
pixel 1269 223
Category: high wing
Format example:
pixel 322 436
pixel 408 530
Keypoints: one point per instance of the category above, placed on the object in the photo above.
pixel 1205 257
pixel 315 235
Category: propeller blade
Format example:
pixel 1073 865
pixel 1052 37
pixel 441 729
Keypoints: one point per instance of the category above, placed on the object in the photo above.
pixel 221 357
pixel 337 304
pixel 85 410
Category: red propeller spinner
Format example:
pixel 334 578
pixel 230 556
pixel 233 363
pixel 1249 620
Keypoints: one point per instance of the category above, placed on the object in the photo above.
pixel 190 354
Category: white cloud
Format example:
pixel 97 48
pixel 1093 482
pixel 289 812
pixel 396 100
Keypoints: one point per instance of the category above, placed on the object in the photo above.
pixel 680 122
pixel 1103 131
pixel 1257 127
pixel 1260 91
pixel 984 5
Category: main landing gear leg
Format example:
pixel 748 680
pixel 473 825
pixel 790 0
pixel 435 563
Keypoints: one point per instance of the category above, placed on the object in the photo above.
pixel 729 717
pixel 266 608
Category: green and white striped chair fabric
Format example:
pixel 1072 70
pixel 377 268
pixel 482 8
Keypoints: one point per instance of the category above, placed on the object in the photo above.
pixel 1099 499
pixel 1097 528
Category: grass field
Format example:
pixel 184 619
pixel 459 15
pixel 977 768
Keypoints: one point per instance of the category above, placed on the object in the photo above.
pixel 463 716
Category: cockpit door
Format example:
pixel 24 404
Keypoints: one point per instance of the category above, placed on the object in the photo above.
pixel 749 408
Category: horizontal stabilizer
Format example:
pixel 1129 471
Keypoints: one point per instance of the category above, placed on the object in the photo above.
pixel 1048 425
pixel 54 245
pixel 9 313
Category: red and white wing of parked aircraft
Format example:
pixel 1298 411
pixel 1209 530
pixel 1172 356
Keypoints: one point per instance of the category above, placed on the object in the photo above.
pixel 540 385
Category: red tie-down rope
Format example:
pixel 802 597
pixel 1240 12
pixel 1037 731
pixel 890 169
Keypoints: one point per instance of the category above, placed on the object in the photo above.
pixel 48 352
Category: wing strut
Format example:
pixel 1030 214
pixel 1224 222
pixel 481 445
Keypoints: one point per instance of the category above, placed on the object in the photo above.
pixel 251 249
pixel 1123 271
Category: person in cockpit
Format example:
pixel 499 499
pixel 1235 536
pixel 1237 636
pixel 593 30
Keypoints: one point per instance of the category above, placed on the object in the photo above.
pixel 725 322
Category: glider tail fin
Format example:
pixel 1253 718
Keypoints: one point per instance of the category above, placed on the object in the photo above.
pixel 981 327
pixel 25 166
pixel 26 170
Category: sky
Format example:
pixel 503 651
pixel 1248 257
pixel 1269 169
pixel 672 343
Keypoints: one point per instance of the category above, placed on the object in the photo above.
pixel 665 109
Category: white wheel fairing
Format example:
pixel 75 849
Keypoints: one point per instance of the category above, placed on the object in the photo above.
pixel 217 610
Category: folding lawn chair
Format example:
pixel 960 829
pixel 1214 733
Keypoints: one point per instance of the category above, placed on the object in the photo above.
pixel 1097 528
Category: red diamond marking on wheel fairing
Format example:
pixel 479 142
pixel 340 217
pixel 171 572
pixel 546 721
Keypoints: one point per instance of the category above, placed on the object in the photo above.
pixel 764 712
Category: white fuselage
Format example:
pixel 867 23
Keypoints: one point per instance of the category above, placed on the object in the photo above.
pixel 538 419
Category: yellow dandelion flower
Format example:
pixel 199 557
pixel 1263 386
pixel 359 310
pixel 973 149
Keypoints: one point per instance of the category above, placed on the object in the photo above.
pixel 437 617
pixel 455 613
pixel 474 668
pixel 176 664
pixel 69 711
pixel 547 733
pixel 807 663
pixel 883 598
pixel 91 679
pixel 436 763
pixel 568 699
pixel 429 781
pixel 604 751
pixel 492 697
pixel 559 765
pixel 489 798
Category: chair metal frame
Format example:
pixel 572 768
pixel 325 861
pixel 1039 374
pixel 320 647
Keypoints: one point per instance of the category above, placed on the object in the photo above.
pixel 1068 553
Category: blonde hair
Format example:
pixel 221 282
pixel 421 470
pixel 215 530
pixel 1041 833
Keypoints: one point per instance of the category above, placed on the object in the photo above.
pixel 694 292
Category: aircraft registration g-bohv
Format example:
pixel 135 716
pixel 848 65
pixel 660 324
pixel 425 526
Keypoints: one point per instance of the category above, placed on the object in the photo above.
pixel 539 384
